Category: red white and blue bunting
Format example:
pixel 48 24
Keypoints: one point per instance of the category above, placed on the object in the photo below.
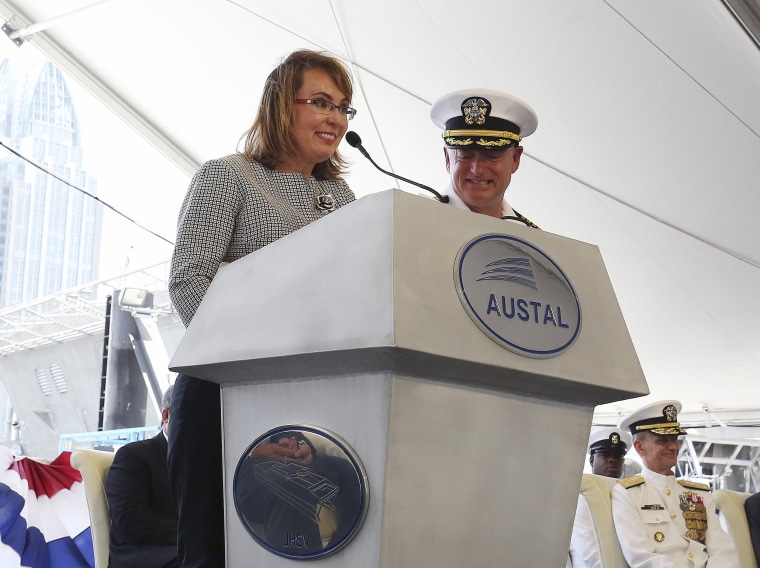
pixel 44 521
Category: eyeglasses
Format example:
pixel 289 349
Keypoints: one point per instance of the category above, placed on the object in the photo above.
pixel 325 107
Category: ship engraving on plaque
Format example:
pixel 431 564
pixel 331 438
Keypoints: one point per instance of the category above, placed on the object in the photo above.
pixel 301 492
pixel 298 486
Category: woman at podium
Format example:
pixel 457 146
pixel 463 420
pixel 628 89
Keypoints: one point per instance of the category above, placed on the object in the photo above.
pixel 288 175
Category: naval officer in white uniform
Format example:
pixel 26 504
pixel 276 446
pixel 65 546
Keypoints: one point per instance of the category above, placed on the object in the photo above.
pixel 482 131
pixel 662 521
pixel 607 447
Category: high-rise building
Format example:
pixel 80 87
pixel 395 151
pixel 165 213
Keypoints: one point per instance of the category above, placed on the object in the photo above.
pixel 49 231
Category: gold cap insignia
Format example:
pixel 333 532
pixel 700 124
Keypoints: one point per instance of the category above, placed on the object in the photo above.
pixel 670 413
pixel 475 110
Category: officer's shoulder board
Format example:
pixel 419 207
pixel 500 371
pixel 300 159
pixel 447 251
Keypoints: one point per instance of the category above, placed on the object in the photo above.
pixel 693 485
pixel 631 481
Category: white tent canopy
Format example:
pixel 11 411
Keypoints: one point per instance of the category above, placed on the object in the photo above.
pixel 647 143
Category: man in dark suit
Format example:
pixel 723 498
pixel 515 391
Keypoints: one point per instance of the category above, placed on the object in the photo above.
pixel 143 513
pixel 752 507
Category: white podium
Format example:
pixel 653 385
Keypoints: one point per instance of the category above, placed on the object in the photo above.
pixel 357 324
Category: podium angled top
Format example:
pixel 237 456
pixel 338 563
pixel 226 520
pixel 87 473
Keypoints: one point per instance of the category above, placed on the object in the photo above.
pixel 373 287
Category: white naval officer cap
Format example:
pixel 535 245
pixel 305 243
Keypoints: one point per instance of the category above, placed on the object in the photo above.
pixel 483 119
pixel 659 417
pixel 609 438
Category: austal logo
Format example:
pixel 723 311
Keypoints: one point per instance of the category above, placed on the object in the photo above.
pixel 517 295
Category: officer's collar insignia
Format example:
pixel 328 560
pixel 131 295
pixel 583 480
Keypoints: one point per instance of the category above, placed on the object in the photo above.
pixel 475 110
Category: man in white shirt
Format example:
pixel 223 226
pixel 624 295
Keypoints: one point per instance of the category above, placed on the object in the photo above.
pixel 607 447
pixel 482 130
pixel 661 521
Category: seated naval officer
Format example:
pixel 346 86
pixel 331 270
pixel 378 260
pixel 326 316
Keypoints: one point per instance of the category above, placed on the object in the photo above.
pixel 661 521
pixel 482 130
pixel 607 447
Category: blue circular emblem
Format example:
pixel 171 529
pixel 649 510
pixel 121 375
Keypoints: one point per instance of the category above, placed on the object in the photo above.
pixel 300 492
pixel 517 295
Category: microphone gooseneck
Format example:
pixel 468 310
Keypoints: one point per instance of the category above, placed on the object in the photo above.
pixel 355 141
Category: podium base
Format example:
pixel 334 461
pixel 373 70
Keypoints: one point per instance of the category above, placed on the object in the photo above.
pixel 457 476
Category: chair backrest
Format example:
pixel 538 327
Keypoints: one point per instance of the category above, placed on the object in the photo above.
pixel 731 506
pixel 597 490
pixel 94 466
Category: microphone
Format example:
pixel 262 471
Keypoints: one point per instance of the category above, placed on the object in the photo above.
pixel 355 141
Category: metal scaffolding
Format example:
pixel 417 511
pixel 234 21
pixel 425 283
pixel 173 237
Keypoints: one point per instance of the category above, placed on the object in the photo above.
pixel 723 463
pixel 75 312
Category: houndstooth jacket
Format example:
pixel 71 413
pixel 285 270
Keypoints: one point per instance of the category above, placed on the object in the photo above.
pixel 233 207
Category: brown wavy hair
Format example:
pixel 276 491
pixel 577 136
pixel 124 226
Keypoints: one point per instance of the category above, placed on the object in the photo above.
pixel 271 135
